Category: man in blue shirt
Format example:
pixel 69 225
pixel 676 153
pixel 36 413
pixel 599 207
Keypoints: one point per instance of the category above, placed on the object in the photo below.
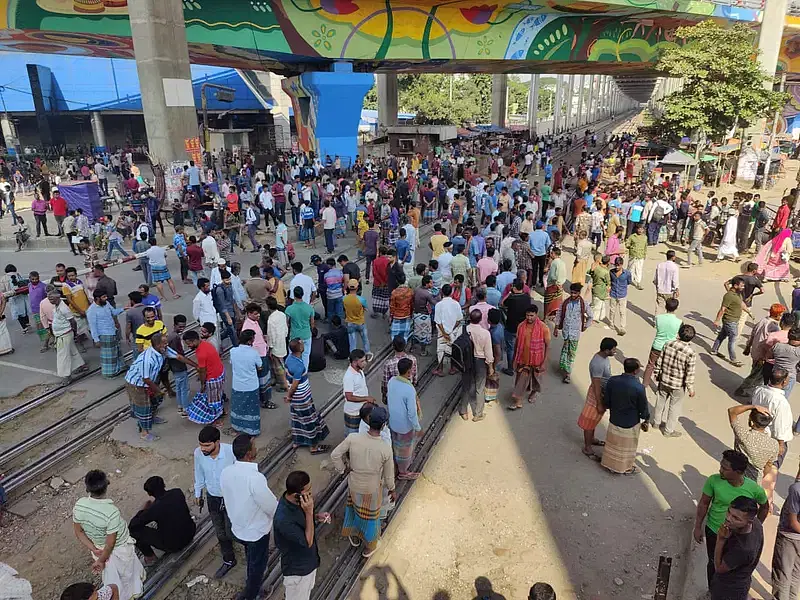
pixel 618 302
pixel 540 243
pixel 403 247
pixel 193 173
pixel 210 457
pixel 403 418
pixel 105 330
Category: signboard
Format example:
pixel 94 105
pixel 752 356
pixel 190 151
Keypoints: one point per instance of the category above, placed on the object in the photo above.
pixel 194 150
pixel 173 176
pixel 224 95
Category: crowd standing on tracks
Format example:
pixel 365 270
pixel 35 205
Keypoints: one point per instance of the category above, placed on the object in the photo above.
pixel 496 244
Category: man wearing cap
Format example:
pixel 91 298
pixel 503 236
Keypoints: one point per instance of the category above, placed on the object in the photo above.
pixel 371 469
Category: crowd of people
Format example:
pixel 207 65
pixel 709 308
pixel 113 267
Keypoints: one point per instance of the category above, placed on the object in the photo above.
pixel 497 244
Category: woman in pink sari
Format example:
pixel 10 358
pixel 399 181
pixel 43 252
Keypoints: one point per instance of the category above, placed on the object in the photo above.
pixel 773 259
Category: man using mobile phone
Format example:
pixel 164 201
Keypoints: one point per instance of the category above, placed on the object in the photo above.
pixel 294 536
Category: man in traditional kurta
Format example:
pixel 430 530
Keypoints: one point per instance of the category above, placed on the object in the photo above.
pixel 530 356
pixel 574 316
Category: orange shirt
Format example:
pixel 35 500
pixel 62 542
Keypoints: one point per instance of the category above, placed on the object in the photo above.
pixel 233 202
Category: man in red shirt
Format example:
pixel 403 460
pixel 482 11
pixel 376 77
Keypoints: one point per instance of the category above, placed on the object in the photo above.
pixel 782 217
pixel 206 407
pixel 195 254
pixel 132 184
pixel 233 201
pixel 59 206
pixel 380 284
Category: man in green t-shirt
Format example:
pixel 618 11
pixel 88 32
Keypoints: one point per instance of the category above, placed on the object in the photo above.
pixel 718 492
pixel 728 318
pixel 667 326
pixel 601 282
pixel 301 322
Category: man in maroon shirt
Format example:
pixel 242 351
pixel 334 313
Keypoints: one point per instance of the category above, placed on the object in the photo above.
pixel 782 217
pixel 280 199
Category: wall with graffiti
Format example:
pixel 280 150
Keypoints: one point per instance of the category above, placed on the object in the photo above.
pixel 451 35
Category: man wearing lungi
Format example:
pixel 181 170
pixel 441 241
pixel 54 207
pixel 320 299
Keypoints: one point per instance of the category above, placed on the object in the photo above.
pixel 404 424
pixel 63 328
pixel 401 308
pixel 530 357
pixel 424 304
pixel 380 284
pixel 448 318
pixel 572 319
pixel 106 334
pixel 371 469
pixel 206 407
pixel 142 387
pixel 629 414
pixel 593 408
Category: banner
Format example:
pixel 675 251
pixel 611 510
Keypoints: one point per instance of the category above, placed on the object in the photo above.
pixel 194 150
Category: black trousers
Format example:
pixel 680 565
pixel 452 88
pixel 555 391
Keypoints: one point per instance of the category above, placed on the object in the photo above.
pixel 222 527
pixel 41 223
pixel 538 269
pixel 711 543
pixel 257 556
pixel 184 267
pixel 148 538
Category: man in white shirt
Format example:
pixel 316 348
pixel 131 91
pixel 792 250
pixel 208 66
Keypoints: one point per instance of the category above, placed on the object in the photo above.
pixel 210 251
pixel 304 281
pixel 210 459
pixel 203 306
pixel 773 398
pixel 445 258
pixel 102 179
pixel 251 220
pixel 356 392
pixel 329 226
pixel 251 506
pixel 267 202
pixel 448 317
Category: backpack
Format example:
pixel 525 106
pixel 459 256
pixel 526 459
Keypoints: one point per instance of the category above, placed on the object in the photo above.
pixel 257 213
pixel 658 213
pixel 217 304
pixel 462 356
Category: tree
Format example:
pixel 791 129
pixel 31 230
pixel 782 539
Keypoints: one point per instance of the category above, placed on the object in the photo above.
pixel 371 99
pixel 723 84
pixel 518 92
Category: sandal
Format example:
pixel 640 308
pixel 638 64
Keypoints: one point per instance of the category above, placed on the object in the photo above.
pixel 633 471
pixel 737 363
pixel 590 455
pixel 513 407
pixel 598 443
pixel 269 406
pixel 176 296
pixel 321 449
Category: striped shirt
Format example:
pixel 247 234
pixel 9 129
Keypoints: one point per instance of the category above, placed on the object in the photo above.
pixel 100 517
pixel 147 366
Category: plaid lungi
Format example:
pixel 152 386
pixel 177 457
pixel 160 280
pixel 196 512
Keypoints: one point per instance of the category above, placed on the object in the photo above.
pixel 141 407
pixel 553 297
pixel 568 351
pixel 44 333
pixel 202 410
pixel 215 388
pixel 422 328
pixel 619 453
pixel 401 327
pixel 429 214
pixel 278 370
pixel 111 360
pixel 403 448
pixel 362 517
pixel 394 234
pixel 590 415
pixel 380 299
pixel 351 423
pixel 160 273
pixel 490 389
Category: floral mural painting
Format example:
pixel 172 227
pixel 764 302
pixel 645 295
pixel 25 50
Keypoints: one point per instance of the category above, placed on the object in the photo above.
pixel 298 35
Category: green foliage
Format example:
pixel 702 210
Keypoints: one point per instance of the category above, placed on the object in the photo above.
pixel 723 82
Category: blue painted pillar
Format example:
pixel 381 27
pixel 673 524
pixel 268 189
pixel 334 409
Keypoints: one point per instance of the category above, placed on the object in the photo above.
pixel 327 110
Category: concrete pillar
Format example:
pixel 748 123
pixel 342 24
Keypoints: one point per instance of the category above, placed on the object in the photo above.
pixel 387 100
pixel 335 98
pixel 570 122
pixel 557 104
pixel 98 130
pixel 162 62
pixel 579 101
pixel 590 111
pixel 499 99
pixel 606 89
pixel 770 35
pixel 533 105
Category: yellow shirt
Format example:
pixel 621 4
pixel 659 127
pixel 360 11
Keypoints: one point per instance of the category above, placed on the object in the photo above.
pixel 145 333
pixel 353 310
pixel 76 296
pixel 437 245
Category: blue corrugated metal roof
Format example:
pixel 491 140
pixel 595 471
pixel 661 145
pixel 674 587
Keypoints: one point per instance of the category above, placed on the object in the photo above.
pixel 85 83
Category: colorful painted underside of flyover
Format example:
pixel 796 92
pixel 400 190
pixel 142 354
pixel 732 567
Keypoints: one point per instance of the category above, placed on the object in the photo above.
pixel 298 35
